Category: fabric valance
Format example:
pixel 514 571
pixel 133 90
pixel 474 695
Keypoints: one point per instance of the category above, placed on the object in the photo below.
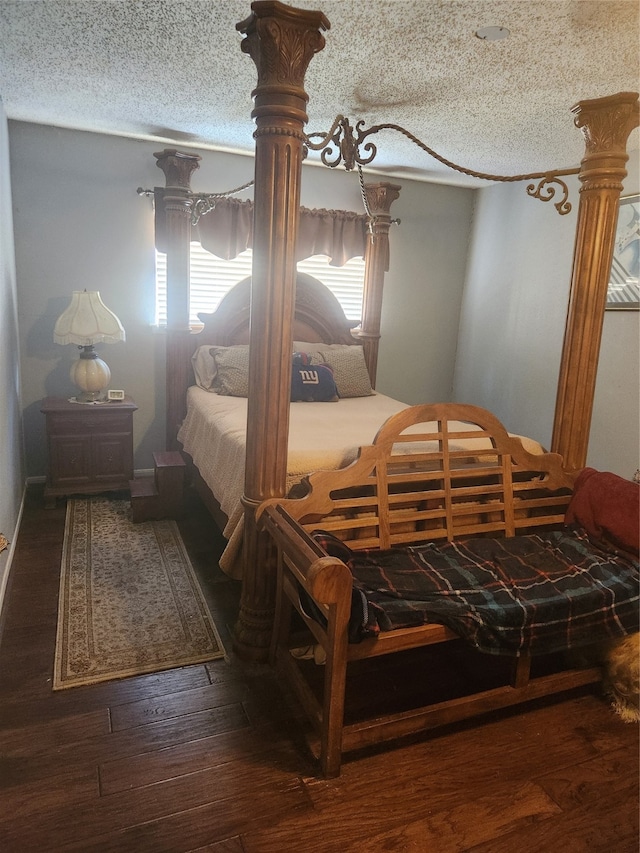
pixel 227 230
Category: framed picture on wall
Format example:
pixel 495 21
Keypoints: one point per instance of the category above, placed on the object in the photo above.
pixel 624 291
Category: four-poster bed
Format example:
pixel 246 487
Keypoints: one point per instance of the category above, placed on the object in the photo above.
pixel 282 41
pixel 325 436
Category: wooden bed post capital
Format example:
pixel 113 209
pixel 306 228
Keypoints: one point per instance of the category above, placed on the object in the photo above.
pixel 606 124
pixel 281 41
pixel 178 168
pixel 379 198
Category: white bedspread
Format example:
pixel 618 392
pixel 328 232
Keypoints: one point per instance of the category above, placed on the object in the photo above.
pixel 322 436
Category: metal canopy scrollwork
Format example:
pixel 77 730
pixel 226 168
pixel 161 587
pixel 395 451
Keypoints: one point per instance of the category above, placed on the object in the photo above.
pixel 342 144
pixel 200 203
pixel 203 203
pixel 545 191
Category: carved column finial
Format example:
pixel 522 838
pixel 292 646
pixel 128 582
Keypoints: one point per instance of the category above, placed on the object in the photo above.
pixel 379 198
pixel 281 41
pixel 177 167
pixel 606 124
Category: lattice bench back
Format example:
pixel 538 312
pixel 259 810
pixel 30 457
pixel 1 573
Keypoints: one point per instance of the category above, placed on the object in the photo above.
pixel 434 472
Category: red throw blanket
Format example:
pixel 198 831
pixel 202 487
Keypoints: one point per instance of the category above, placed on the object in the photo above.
pixel 608 508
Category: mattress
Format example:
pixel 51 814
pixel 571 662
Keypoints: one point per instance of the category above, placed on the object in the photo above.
pixel 322 437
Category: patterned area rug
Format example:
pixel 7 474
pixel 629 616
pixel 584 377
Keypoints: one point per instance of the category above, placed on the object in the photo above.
pixel 129 602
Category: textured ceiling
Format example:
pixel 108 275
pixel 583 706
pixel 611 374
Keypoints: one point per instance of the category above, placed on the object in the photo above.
pixel 173 71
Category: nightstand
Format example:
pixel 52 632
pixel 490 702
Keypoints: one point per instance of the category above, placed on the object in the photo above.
pixel 90 447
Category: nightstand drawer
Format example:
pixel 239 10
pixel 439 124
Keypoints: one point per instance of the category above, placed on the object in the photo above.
pixel 65 423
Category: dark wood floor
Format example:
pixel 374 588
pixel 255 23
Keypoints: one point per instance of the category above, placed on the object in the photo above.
pixel 207 758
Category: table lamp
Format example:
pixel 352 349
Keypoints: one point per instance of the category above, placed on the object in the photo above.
pixel 86 322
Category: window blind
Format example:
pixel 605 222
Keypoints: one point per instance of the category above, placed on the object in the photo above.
pixel 213 277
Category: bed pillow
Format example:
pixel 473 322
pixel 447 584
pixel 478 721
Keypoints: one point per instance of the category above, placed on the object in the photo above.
pixel 310 382
pixel 349 371
pixel 204 367
pixel 232 370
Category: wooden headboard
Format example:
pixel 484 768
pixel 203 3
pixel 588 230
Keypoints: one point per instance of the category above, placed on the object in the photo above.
pixel 318 316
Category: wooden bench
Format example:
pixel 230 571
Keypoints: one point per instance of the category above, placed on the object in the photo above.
pixel 435 473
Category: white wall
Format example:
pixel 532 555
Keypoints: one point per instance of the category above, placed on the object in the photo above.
pixel 614 442
pixel 423 292
pixel 514 309
pixel 79 223
pixel 512 326
pixel 11 468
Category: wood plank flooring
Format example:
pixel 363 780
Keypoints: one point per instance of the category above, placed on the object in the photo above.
pixel 208 759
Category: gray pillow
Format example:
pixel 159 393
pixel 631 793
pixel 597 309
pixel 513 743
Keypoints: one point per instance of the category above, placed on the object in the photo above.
pixel 232 370
pixel 349 371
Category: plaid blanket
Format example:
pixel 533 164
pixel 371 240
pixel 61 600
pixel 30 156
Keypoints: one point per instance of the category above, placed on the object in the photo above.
pixel 531 594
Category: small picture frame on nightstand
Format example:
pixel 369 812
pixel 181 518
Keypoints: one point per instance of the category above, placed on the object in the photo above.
pixel 115 396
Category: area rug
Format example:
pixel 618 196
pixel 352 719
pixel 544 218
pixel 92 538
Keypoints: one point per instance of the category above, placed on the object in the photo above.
pixel 130 602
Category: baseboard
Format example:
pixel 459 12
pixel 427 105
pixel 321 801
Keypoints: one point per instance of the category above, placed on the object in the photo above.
pixel 139 472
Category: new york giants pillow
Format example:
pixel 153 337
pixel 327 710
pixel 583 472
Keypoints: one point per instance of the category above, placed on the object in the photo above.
pixel 311 383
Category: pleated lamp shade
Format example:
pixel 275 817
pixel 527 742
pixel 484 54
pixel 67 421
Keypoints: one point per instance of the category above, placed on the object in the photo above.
pixel 86 322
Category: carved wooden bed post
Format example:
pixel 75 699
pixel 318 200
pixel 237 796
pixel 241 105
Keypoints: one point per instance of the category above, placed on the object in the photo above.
pixel 606 124
pixel 281 41
pixel 177 168
pixel 380 197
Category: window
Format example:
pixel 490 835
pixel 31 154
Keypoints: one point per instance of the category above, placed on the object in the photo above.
pixel 345 282
pixel 213 277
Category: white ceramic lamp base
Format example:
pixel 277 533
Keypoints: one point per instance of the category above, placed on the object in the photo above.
pixel 91 375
